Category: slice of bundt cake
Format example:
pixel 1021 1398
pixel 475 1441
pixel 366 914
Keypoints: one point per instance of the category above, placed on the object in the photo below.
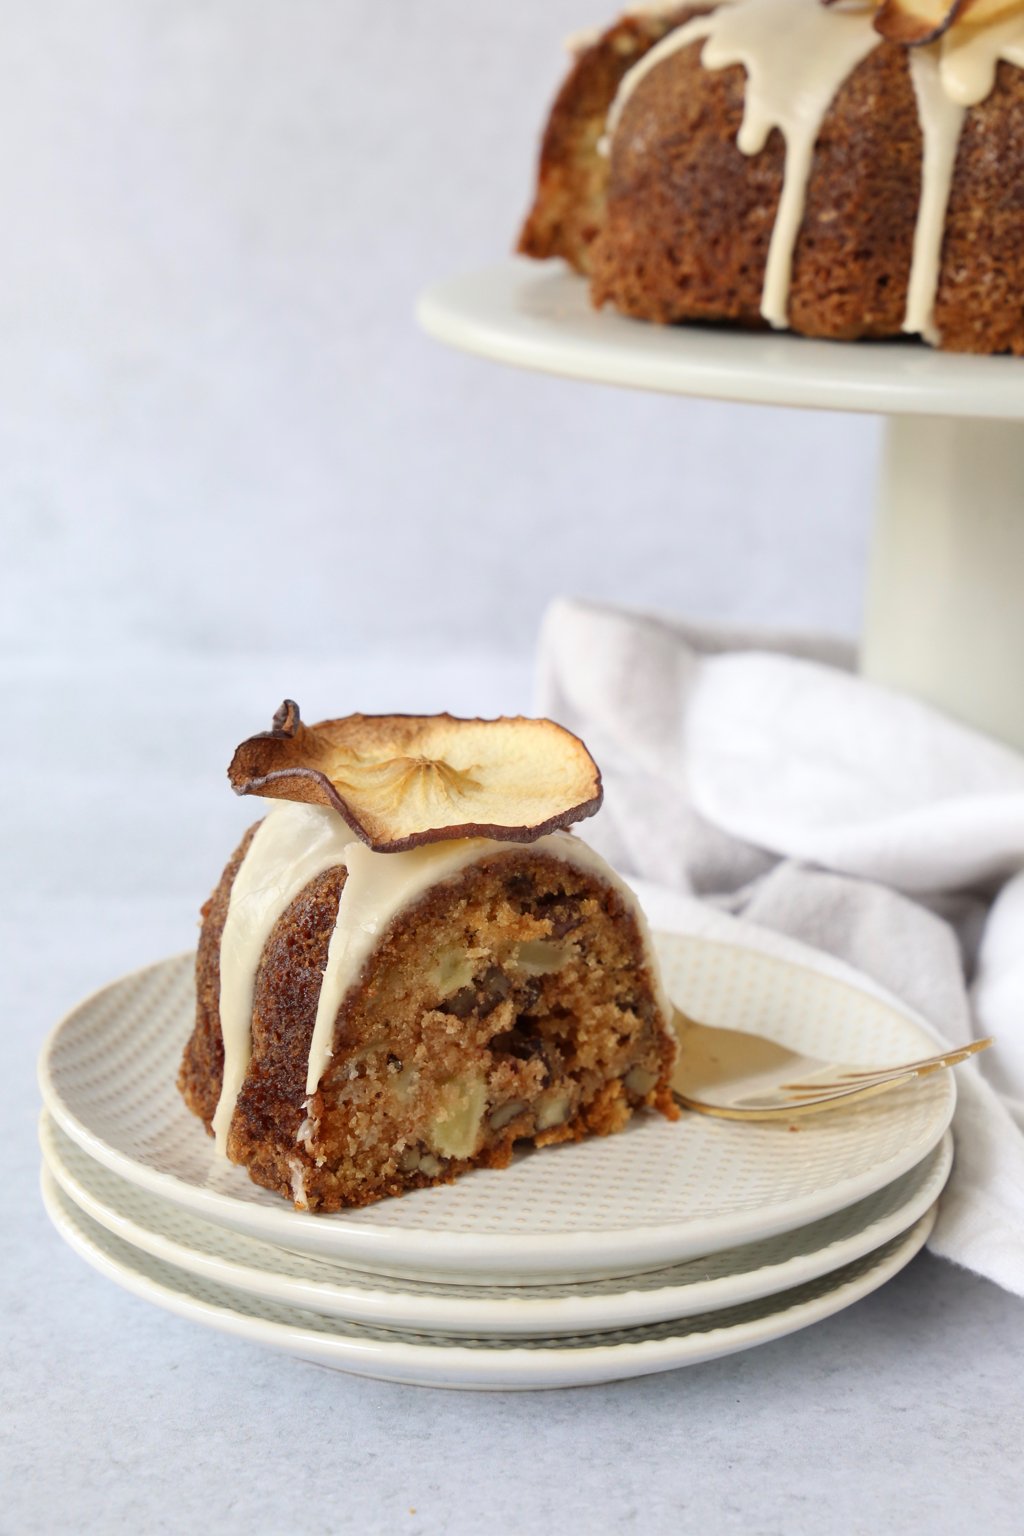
pixel 409 965
pixel 841 170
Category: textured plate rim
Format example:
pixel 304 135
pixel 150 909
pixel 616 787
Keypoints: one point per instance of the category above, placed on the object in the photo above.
pixel 501 1369
pixel 511 1315
pixel 400 1248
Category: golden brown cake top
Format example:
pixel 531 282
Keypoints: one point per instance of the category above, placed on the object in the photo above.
pixel 798 56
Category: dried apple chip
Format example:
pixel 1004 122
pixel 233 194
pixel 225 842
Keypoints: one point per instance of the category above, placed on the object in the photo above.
pixel 403 780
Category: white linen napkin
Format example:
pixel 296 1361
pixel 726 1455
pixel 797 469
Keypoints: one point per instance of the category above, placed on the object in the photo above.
pixel 759 774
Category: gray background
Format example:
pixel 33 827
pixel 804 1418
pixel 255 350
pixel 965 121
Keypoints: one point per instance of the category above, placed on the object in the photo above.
pixel 230 469
pixel 220 428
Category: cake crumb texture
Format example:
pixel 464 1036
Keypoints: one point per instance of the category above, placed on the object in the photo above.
pixel 512 1003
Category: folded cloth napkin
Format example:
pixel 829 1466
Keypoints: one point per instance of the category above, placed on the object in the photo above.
pixel 760 775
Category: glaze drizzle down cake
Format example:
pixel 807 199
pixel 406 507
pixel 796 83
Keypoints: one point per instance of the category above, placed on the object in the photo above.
pixel 846 170
pixel 411 964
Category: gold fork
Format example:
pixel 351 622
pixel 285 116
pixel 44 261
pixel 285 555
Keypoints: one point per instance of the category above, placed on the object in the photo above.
pixel 737 1076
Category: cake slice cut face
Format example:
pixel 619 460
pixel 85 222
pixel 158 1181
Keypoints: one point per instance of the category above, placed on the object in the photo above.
pixel 372 1022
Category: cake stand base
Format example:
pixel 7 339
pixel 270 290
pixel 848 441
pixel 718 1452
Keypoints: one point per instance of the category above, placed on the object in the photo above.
pixel 945 605
pixel 945 602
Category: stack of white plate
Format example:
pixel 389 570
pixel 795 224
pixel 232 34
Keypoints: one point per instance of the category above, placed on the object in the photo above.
pixel 661 1247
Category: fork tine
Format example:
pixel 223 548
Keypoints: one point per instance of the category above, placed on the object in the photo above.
pixel 810 1093
pixel 787 1111
pixel 882 1074
pixel 943 1058
pixel 854 1092
pixel 841 1085
pixel 838 1084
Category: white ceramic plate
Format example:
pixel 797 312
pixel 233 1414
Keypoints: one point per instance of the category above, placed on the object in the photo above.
pixel 725 1279
pixel 482 1363
pixel 659 1193
pixel 539 315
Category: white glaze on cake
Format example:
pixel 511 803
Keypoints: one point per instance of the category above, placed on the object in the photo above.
pixel 797 55
pixel 292 846
pixel 942 122
pixel 969 57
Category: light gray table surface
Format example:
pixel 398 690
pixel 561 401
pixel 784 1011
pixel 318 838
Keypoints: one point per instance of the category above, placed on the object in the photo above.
pixel 903 1414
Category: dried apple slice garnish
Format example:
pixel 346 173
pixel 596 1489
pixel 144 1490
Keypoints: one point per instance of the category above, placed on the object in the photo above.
pixel 921 21
pixel 403 780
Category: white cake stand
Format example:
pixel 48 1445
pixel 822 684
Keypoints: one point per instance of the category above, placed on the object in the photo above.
pixel 945 602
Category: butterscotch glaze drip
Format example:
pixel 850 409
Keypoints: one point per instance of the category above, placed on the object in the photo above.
pixel 970 56
pixel 797 54
pixel 942 121
pixel 291 846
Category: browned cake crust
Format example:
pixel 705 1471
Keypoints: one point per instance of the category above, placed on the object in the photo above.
pixel 688 229
pixel 450 1004
pixel 682 227
pixel 980 303
pixel 202 1066
pixel 569 209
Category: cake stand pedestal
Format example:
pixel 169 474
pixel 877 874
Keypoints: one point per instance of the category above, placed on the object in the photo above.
pixel 944 616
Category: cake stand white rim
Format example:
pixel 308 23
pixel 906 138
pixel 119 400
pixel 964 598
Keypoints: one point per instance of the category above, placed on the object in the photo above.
pixel 538 315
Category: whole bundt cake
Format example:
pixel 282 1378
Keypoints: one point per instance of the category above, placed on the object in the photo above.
pixel 409 964
pixel 841 170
